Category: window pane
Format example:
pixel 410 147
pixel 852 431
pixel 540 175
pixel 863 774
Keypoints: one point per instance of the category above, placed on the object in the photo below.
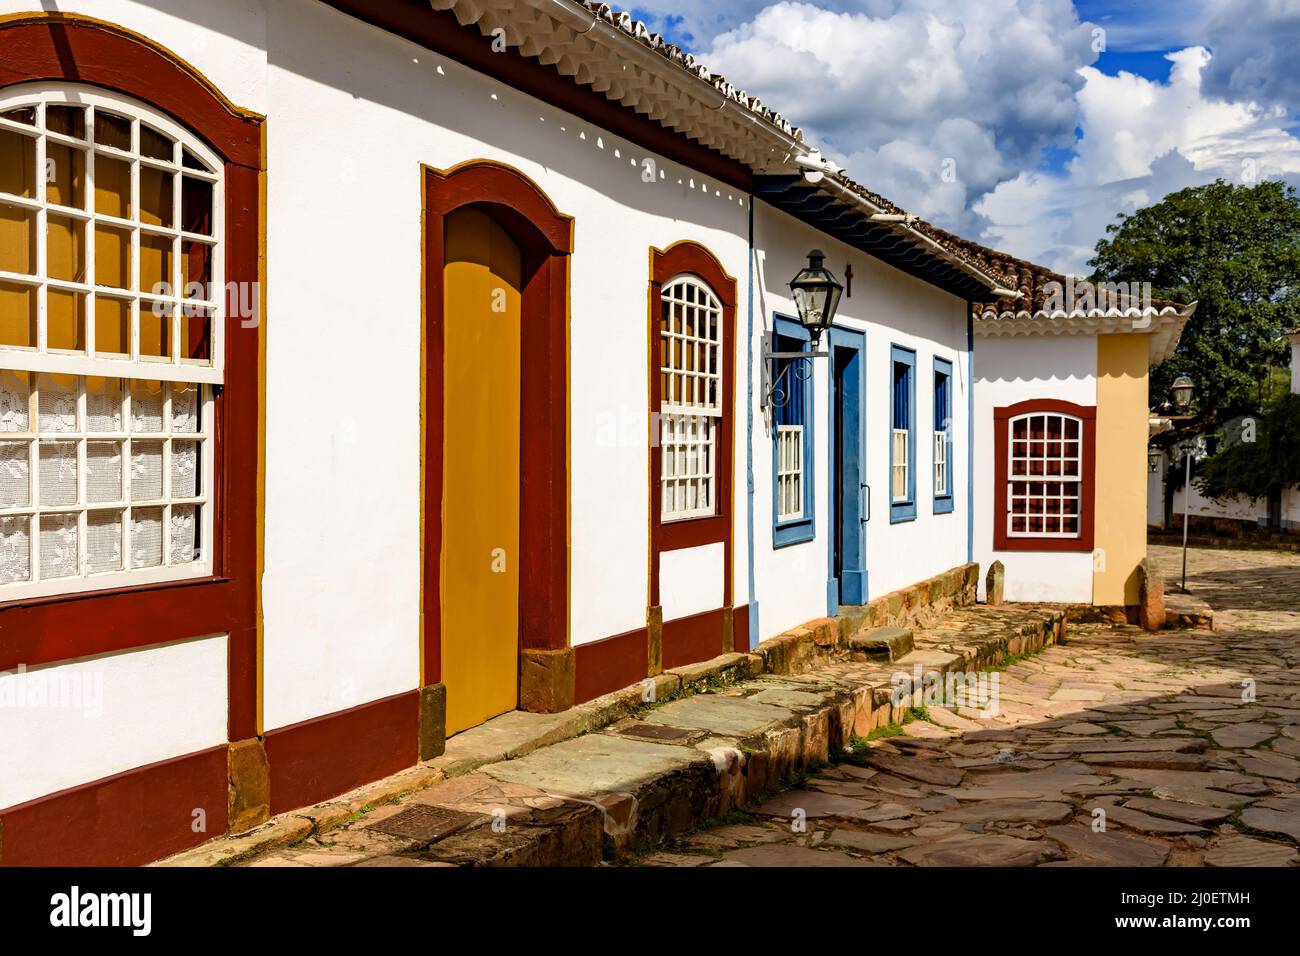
pixel 146 406
pixel 58 546
pixel 104 404
pixel 155 196
pixel 112 130
pixel 15 550
pixel 65 250
pixel 15 474
pixel 156 264
pixel 57 403
pixel 184 533
pixel 155 329
pixel 17 240
pixel 65 175
pixel 15 401
pixel 112 187
pixel 112 325
pixel 65 320
pixel 103 541
pixel 146 537
pixel 68 120
pixel 58 473
pixel 112 257
pixel 17 164
pixel 17 315
pixel 196 206
pixel 103 471
pixel 156 145
pixel 146 470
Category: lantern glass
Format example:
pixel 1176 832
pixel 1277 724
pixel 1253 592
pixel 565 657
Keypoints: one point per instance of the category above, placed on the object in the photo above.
pixel 1182 389
pixel 816 295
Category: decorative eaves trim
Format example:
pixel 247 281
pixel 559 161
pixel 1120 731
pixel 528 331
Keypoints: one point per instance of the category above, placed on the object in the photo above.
pixel 1163 324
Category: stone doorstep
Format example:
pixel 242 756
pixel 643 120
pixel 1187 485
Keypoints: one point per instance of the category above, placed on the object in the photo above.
pixel 1187 611
pixel 645 806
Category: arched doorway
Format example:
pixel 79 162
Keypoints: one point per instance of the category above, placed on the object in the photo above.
pixel 495 466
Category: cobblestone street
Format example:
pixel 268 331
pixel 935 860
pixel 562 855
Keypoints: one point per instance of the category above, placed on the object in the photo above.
pixel 1118 747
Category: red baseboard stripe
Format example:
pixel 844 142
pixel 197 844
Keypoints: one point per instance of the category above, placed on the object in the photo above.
pixel 127 819
pixel 610 664
pixel 320 758
pixel 691 639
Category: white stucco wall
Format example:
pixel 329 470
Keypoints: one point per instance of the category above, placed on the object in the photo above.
pixel 353 114
pixel 1005 373
pixel 64 724
pixel 892 308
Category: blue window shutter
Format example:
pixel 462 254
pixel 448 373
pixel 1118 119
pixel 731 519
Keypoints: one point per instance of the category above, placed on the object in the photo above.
pixel 791 336
pixel 943 504
pixel 903 415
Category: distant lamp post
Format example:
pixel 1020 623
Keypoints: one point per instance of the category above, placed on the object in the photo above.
pixel 816 293
pixel 1182 389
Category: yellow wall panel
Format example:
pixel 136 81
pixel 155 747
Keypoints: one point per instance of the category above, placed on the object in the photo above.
pixel 1122 364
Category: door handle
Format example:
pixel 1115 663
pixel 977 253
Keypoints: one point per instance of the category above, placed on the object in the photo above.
pixel 867 488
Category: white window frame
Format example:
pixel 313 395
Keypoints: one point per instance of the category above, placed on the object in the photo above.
pixel 690 363
pixel 901 464
pixel 789 472
pixel 941 462
pixel 1023 476
pixel 174 369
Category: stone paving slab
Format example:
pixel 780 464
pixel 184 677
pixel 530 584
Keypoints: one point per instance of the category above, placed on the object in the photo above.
pixel 1117 747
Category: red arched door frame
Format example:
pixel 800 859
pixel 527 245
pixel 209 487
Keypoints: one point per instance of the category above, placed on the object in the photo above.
pixel 545 237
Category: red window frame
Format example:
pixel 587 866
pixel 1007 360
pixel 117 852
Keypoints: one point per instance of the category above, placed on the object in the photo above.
pixel 1002 418
pixel 66 48
pixel 665 265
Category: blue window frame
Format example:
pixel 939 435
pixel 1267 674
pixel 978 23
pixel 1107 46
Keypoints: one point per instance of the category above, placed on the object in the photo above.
pixel 941 443
pixel 902 434
pixel 793 488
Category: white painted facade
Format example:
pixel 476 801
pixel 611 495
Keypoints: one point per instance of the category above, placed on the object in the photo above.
pixel 353 114
pixel 892 308
pixel 1007 372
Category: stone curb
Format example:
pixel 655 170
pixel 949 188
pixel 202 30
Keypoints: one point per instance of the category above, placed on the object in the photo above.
pixel 791 653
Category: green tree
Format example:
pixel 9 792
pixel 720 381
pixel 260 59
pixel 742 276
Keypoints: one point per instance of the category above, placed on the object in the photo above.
pixel 1261 467
pixel 1236 251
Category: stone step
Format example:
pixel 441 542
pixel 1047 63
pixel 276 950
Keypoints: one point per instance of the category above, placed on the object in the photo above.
pixel 1187 611
pixel 882 643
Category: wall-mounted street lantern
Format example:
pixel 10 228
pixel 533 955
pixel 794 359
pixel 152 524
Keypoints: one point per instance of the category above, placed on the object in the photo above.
pixel 1182 389
pixel 816 294
pixel 1154 457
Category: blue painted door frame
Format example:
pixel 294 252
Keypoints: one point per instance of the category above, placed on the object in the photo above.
pixel 846 515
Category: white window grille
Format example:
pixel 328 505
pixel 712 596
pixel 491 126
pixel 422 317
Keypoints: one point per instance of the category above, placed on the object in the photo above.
pixel 690 370
pixel 1045 476
pixel 899 480
pixel 111 326
pixel 789 472
pixel 941 462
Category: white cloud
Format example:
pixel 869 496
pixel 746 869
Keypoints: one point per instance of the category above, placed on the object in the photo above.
pixel 895 91
pixel 1141 140
pixel 905 92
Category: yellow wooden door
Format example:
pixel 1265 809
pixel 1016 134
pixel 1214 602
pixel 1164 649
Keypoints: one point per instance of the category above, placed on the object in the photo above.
pixel 480 503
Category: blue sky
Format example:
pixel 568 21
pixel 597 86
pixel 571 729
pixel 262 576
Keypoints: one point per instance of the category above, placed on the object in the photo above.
pixel 1056 114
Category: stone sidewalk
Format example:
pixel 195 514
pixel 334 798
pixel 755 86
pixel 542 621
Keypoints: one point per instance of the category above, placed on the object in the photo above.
pixel 626 773
pixel 1117 747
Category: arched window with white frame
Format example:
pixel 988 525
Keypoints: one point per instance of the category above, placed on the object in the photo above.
pixel 111 342
pixel 1045 471
pixel 690 370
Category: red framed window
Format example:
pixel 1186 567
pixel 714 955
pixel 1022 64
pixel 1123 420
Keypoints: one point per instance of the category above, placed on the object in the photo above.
pixel 131 343
pixel 1044 476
